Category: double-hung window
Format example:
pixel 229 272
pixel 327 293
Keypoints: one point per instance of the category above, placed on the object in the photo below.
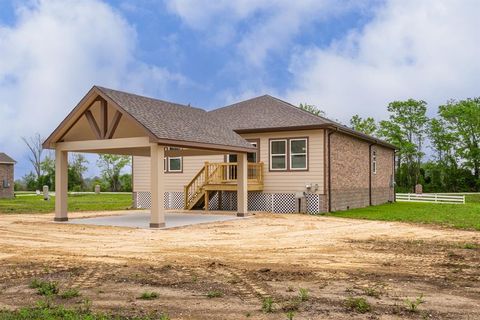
pixel 298 154
pixel 278 155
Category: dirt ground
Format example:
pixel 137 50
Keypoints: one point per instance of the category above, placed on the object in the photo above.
pixel 246 261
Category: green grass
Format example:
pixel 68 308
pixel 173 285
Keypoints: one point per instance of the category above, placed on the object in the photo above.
pixel 462 216
pixel 147 295
pixel 76 202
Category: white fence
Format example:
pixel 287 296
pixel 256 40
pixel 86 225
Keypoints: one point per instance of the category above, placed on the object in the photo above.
pixel 430 198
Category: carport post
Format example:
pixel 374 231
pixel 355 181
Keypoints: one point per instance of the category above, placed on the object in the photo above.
pixel 157 212
pixel 61 185
pixel 242 185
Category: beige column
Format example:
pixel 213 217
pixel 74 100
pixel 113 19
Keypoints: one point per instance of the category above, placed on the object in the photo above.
pixel 61 185
pixel 242 185
pixel 157 213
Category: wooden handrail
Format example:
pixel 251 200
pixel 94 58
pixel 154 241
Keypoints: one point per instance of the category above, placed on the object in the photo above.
pixel 219 173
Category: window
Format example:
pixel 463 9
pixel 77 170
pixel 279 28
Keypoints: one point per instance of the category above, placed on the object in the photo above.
pixel 173 164
pixel 298 154
pixel 374 162
pixel 253 156
pixel 278 154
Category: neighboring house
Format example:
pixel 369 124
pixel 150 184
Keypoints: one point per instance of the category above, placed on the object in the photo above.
pixel 302 163
pixel 6 176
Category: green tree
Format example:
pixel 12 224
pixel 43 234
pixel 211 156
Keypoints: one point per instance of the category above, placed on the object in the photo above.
pixel 462 118
pixel 367 125
pixel 111 167
pixel 76 168
pixel 406 128
pixel 312 109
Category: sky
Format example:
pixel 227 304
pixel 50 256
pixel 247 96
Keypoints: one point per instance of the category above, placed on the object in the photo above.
pixel 344 56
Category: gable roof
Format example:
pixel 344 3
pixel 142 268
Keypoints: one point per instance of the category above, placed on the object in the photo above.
pixel 267 113
pixel 165 122
pixel 4 158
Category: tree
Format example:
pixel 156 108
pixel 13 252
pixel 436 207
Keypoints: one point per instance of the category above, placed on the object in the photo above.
pixel 312 109
pixel 462 119
pixel 406 128
pixel 367 125
pixel 76 168
pixel 34 144
pixel 111 167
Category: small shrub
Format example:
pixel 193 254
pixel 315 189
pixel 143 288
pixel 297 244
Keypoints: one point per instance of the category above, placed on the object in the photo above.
pixel 412 305
pixel 372 292
pixel 70 293
pixel 214 294
pixel 303 294
pixel 44 288
pixel 290 315
pixel 359 305
pixel 267 305
pixel 147 295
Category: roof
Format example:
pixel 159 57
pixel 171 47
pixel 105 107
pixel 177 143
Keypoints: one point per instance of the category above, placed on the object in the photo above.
pixel 4 158
pixel 267 113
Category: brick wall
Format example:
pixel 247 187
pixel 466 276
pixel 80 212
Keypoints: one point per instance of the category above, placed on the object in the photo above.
pixel 6 172
pixel 350 162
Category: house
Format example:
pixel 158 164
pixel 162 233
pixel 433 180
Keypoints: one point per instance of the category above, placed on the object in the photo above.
pixel 291 169
pixel 6 176
pixel 260 154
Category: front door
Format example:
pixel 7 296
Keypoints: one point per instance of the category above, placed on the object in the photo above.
pixel 251 157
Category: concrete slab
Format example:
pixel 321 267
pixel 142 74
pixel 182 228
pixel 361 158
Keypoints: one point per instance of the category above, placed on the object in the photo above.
pixel 142 220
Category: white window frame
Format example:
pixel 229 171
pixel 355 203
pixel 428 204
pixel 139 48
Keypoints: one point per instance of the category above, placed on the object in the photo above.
pixel 285 155
pixel 166 160
pixel 374 162
pixel 291 154
pixel 181 164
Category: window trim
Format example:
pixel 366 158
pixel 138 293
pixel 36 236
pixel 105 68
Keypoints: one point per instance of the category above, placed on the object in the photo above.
pixel 374 161
pixel 287 163
pixel 166 163
pixel 270 154
pixel 291 154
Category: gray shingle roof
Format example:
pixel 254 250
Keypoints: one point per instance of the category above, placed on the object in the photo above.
pixel 266 112
pixel 173 121
pixel 4 158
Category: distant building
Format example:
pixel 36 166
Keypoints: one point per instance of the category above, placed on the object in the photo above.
pixel 6 176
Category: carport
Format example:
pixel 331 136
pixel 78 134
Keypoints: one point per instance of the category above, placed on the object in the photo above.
pixel 114 122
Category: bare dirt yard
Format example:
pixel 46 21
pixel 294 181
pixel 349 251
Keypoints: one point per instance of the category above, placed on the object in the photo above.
pixel 313 267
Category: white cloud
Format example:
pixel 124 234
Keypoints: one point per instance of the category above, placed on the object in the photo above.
pixel 53 53
pixel 257 28
pixel 421 49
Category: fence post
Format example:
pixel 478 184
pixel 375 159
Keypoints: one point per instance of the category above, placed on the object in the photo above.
pixel 409 197
pixel 436 198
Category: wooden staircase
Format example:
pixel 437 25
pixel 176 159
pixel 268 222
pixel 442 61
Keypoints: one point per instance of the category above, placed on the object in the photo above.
pixel 215 177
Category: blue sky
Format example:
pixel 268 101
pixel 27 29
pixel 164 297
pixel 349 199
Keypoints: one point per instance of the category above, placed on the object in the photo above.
pixel 346 57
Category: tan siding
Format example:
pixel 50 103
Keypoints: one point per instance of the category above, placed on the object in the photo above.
pixel 294 181
pixel 174 182
pixel 275 182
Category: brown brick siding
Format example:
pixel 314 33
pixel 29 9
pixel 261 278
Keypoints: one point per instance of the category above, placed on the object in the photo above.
pixel 6 172
pixel 350 167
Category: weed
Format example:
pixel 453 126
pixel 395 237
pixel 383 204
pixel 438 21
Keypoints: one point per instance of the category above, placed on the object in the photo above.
pixel 412 305
pixel 290 289
pixel 44 288
pixel 290 315
pixel 70 293
pixel 194 278
pixel 248 315
pixel 214 294
pixel 303 294
pixel 292 305
pixel 164 316
pixel 86 306
pixel 359 305
pixel 147 295
pixel 267 305
pixel 470 246
pixel 372 292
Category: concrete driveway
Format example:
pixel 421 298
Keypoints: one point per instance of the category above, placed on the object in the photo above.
pixel 142 220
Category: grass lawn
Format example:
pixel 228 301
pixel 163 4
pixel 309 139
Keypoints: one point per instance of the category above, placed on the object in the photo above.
pixel 24 203
pixel 460 216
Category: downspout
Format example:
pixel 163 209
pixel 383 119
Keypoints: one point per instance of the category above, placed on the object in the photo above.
pixel 370 173
pixel 393 176
pixel 330 171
